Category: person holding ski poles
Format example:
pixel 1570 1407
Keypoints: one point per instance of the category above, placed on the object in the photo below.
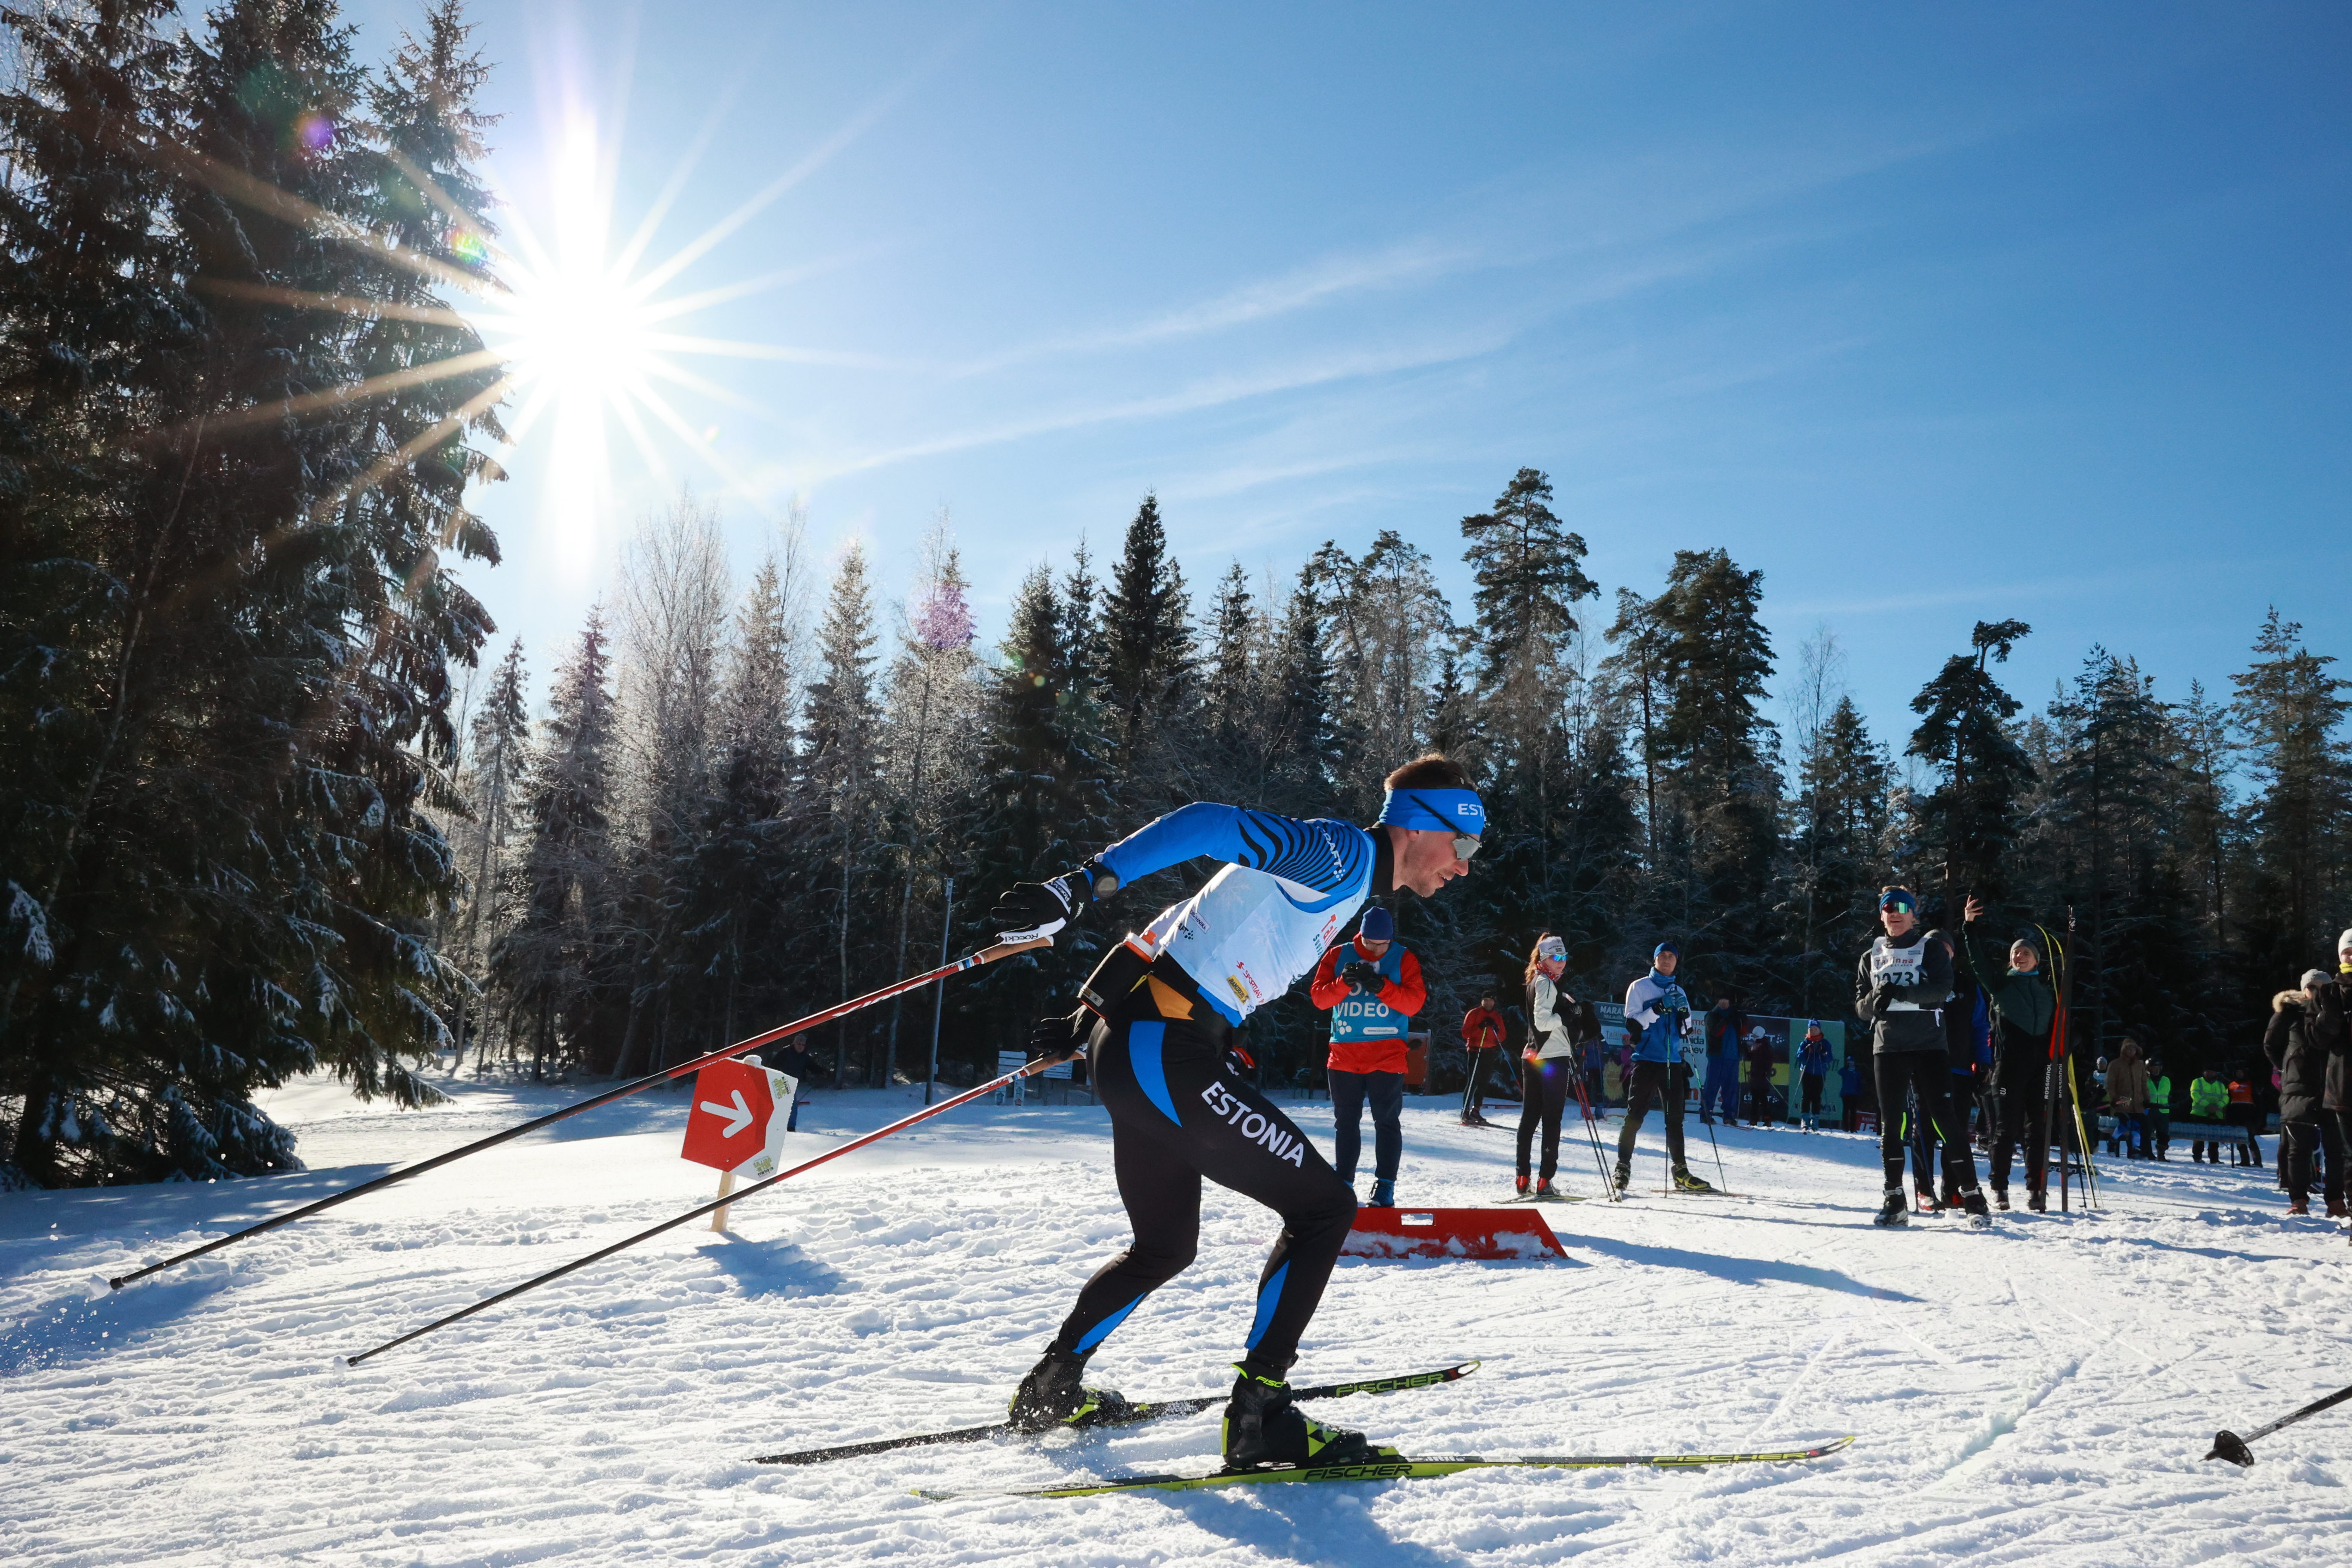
pixel 2018 1088
pixel 1372 1003
pixel 1483 1034
pixel 1901 986
pixel 1155 1018
pixel 1557 1023
pixel 1657 1021
pixel 1813 1072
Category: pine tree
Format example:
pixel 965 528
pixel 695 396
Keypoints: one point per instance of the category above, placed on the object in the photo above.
pixel 555 965
pixel 1147 655
pixel 2288 711
pixel 1843 807
pixel 1038 803
pixel 839 763
pixel 1714 657
pixel 243 881
pixel 1964 733
pixel 1530 568
pixel 501 744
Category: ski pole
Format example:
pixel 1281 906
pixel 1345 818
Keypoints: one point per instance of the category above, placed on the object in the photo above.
pixel 2082 1136
pixel 1591 1131
pixel 2230 1446
pixel 969 961
pixel 621 1245
pixel 1718 1154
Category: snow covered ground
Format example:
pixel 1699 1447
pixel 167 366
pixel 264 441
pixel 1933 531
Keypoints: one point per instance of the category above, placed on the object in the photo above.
pixel 2039 1393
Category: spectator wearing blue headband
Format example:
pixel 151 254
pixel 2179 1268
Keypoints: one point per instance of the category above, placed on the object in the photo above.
pixel 1658 1021
pixel 1156 1018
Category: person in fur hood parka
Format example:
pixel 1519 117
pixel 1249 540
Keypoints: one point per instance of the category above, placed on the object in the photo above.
pixel 2306 1042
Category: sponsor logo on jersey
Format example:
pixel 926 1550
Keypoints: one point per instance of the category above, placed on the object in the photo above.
pixel 1255 1127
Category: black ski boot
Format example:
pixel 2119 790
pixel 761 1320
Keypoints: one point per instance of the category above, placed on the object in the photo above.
pixel 1980 1217
pixel 1895 1210
pixel 1051 1397
pixel 1624 1177
pixel 2040 1202
pixel 2001 1199
pixel 1264 1431
pixel 1687 1182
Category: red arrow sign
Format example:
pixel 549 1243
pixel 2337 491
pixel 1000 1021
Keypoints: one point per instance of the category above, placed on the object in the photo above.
pixel 729 1125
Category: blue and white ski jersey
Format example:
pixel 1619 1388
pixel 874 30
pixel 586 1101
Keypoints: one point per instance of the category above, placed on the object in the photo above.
pixel 1287 889
pixel 1657 1007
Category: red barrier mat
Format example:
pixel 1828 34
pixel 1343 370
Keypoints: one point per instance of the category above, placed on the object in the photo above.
pixel 1451 1233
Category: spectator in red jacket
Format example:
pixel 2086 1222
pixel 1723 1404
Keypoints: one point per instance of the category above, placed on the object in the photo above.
pixel 1372 998
pixel 1483 1034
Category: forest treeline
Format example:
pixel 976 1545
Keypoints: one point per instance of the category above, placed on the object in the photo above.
pixel 253 827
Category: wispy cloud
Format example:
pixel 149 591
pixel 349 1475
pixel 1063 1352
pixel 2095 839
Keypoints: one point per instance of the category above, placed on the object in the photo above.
pixel 1213 392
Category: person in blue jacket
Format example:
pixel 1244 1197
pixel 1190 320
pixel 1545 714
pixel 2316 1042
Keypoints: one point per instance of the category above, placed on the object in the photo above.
pixel 1658 1021
pixel 1155 1019
pixel 1812 1074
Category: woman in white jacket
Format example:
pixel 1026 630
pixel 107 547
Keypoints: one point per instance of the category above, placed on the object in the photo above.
pixel 1557 1023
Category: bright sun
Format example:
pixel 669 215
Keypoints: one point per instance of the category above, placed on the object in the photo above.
pixel 579 329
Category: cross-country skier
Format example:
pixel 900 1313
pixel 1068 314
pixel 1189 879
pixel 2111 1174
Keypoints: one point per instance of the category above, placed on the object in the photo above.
pixel 1658 1021
pixel 1900 988
pixel 1155 1017
pixel 1557 1023
pixel 1483 1034
pixel 1372 1001
pixel 2023 1007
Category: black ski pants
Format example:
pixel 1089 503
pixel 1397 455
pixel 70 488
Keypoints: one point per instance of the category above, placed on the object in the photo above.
pixel 1473 1091
pixel 1350 1091
pixel 2023 1118
pixel 2301 1141
pixel 1176 1118
pixel 1662 1081
pixel 1927 1076
pixel 1544 1090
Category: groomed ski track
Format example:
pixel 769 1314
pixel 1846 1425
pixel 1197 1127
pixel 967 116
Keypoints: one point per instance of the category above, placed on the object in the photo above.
pixel 2040 1394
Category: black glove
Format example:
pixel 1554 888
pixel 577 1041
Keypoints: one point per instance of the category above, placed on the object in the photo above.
pixel 1060 1038
pixel 1040 909
pixel 1364 978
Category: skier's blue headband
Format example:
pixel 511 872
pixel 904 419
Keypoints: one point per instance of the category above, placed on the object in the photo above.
pixel 1899 898
pixel 1435 811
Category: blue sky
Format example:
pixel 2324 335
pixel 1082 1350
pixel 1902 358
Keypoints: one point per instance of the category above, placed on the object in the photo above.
pixel 1933 314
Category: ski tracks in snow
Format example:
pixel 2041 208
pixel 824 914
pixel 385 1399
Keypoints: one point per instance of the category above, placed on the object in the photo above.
pixel 2038 1395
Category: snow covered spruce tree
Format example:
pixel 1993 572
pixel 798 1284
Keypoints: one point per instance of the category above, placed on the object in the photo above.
pixel 840 787
pixel 555 965
pixel 501 750
pixel 227 704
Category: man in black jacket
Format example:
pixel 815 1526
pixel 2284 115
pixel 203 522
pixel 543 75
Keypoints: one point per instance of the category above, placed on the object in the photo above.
pixel 1901 988
pixel 2018 1089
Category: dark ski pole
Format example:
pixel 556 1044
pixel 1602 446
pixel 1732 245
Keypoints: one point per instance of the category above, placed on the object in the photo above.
pixel 2230 1446
pixel 621 1091
pixel 1592 1126
pixel 1711 1144
pixel 625 1243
